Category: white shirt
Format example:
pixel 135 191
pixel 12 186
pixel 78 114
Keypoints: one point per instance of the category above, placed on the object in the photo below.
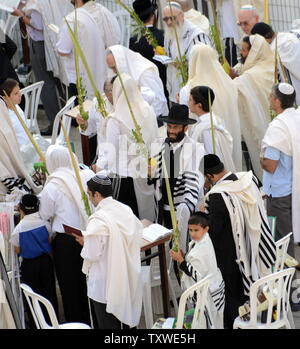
pixel 65 45
pixel 20 132
pixel 94 251
pixel 55 205
pixel 35 29
pixel 229 27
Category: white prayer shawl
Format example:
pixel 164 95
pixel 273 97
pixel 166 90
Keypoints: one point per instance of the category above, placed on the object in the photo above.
pixel 203 262
pixel 288 46
pixel 124 283
pixel 255 247
pixel 223 139
pixel 198 19
pixel 283 134
pixel 190 37
pixel 146 119
pixel 95 25
pixel 11 162
pixel 137 66
pixel 254 87
pixel 51 14
pixel 205 70
pixel 62 174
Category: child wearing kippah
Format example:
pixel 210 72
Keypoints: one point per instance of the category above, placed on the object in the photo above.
pixel 200 261
pixel 31 239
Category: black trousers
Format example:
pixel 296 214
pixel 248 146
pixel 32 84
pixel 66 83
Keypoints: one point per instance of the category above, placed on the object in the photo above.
pixel 71 280
pixel 104 320
pixel 38 273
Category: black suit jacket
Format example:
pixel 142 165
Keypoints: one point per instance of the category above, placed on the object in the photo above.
pixel 147 51
pixel 7 50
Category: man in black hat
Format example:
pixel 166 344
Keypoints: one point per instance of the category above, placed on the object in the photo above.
pixel 182 157
pixel 288 48
pixel 145 9
pixel 237 219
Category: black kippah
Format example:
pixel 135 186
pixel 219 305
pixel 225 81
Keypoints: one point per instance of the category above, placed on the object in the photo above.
pixel 212 163
pixel 29 202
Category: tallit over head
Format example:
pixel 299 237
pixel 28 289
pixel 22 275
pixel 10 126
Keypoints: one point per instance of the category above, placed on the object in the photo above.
pixel 130 62
pixel 142 111
pixel 205 69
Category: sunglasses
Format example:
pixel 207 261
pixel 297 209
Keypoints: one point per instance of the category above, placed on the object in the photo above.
pixel 166 19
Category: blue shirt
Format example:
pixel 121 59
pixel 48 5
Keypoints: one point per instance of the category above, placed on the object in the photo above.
pixel 279 183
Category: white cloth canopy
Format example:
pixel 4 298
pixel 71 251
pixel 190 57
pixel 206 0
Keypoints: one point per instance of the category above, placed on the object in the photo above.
pixel 254 87
pixel 283 134
pixel 205 70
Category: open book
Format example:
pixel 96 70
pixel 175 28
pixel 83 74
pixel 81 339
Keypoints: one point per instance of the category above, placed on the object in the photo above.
pixel 8 5
pixel 87 106
pixel 163 59
pixel 155 231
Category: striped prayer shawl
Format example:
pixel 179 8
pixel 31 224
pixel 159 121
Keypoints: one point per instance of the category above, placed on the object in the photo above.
pixel 11 183
pixel 252 267
pixel 189 180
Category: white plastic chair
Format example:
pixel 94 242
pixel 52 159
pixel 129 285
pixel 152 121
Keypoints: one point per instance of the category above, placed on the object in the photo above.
pixel 147 303
pixel 34 301
pixel 32 95
pixel 60 138
pixel 280 283
pixel 281 250
pixel 201 290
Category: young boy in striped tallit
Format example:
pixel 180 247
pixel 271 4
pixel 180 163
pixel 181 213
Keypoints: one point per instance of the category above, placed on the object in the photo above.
pixel 197 263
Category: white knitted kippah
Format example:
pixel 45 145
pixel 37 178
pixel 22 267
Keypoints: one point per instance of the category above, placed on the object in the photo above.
pixel 103 180
pixel 286 88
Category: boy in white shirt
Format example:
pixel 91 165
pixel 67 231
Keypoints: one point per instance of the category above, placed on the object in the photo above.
pixel 200 261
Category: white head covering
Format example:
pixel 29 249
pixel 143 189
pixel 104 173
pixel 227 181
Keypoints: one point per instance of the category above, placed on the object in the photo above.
pixel 62 174
pixel 205 69
pixel 130 62
pixel 142 111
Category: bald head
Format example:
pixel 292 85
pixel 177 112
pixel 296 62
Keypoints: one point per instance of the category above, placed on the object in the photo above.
pixel 247 17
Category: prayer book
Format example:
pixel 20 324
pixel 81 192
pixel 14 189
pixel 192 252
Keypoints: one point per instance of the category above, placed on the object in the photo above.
pixel 8 5
pixel 87 105
pixel 163 59
pixel 54 27
pixel 155 232
pixel 71 230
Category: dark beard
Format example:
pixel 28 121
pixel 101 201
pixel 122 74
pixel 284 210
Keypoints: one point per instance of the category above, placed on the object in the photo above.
pixel 243 59
pixel 178 138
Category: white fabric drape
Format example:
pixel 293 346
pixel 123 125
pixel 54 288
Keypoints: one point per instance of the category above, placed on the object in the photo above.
pixel 205 70
pixel 254 86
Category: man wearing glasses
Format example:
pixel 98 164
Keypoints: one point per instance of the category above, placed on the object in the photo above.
pixel 188 35
pixel 248 17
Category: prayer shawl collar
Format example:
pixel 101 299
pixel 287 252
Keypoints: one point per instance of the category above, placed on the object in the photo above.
pixel 255 246
pixel 51 14
pixel 283 134
pixel 205 70
pixel 222 137
pixel 190 179
pixel 216 296
pixel 95 25
pixel 11 162
pixel 289 52
pixel 124 284
pixel 254 86
pixel 198 19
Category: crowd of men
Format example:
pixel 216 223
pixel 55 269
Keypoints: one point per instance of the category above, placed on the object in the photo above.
pixel 229 140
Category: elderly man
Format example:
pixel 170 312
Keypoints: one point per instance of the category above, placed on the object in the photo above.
pixel 143 71
pixel 188 35
pixel 254 85
pixel 288 46
pixel 247 17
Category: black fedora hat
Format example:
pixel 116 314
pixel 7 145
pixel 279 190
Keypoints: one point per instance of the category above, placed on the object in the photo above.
pixel 178 114
pixel 143 8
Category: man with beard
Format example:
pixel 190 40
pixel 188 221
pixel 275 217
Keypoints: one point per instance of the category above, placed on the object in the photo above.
pixel 188 35
pixel 182 157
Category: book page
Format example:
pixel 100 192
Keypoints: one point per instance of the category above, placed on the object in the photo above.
pixel 8 5
pixel 163 59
